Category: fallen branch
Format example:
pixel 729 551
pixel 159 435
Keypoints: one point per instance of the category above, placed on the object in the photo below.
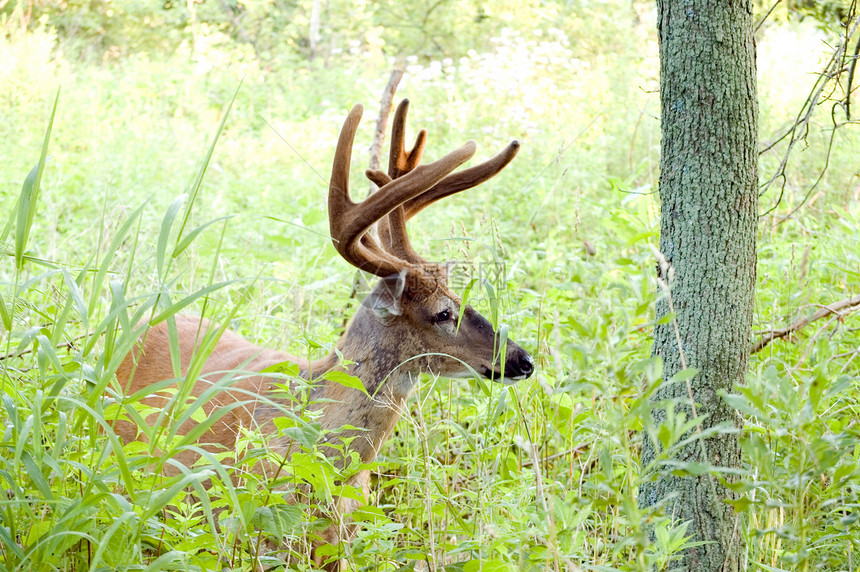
pixel 69 345
pixel 382 121
pixel 849 304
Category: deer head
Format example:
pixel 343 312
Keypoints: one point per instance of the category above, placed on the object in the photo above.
pixel 411 305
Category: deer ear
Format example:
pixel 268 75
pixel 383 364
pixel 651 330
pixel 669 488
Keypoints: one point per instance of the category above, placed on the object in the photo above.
pixel 385 297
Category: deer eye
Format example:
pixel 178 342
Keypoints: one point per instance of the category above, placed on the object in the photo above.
pixel 442 316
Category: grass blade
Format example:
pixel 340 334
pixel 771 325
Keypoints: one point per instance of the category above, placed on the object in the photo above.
pixel 104 265
pixel 198 180
pixel 108 535
pixel 185 241
pixel 5 315
pixel 164 234
pixel 30 195
pixel 177 306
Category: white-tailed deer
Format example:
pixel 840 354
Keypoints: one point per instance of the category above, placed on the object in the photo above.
pixel 409 323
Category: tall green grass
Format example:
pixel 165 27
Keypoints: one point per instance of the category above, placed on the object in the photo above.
pixel 148 198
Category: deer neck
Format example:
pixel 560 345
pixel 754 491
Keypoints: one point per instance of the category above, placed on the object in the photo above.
pixel 388 381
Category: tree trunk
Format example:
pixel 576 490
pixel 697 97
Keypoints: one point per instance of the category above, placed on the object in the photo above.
pixel 708 190
pixel 314 29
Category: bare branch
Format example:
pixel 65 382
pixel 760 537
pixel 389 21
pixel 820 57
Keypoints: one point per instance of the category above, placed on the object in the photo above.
pixel 848 304
pixel 851 81
pixel 799 129
pixel 382 121
pixel 766 16
pixel 69 345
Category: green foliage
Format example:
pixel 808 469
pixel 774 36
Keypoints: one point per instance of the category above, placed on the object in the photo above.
pixel 284 33
pixel 825 12
pixel 154 200
pixel 807 462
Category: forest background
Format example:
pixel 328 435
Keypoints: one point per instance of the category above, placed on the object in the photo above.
pixel 127 212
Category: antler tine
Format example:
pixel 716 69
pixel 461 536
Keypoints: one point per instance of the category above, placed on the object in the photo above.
pixel 338 195
pixel 396 239
pixel 392 229
pixel 463 180
pixel 401 161
pixel 350 221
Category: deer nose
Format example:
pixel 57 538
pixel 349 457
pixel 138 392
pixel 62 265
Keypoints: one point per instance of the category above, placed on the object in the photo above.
pixel 523 365
pixel 527 365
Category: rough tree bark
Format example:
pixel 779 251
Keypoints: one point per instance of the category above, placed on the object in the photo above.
pixel 708 190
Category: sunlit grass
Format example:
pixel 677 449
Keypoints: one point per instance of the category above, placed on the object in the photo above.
pixel 127 182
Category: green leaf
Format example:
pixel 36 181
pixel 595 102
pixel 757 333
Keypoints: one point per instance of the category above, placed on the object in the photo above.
pixel 30 194
pixel 106 265
pixel 168 558
pixel 5 315
pixel 465 300
pixel 286 368
pixel 104 540
pixel 346 380
pixel 187 240
pixel 10 545
pixel 198 180
pixel 666 318
pixel 493 302
pixel 684 375
pixel 164 234
pixel 37 477
pixel 487 566
pixel 174 308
